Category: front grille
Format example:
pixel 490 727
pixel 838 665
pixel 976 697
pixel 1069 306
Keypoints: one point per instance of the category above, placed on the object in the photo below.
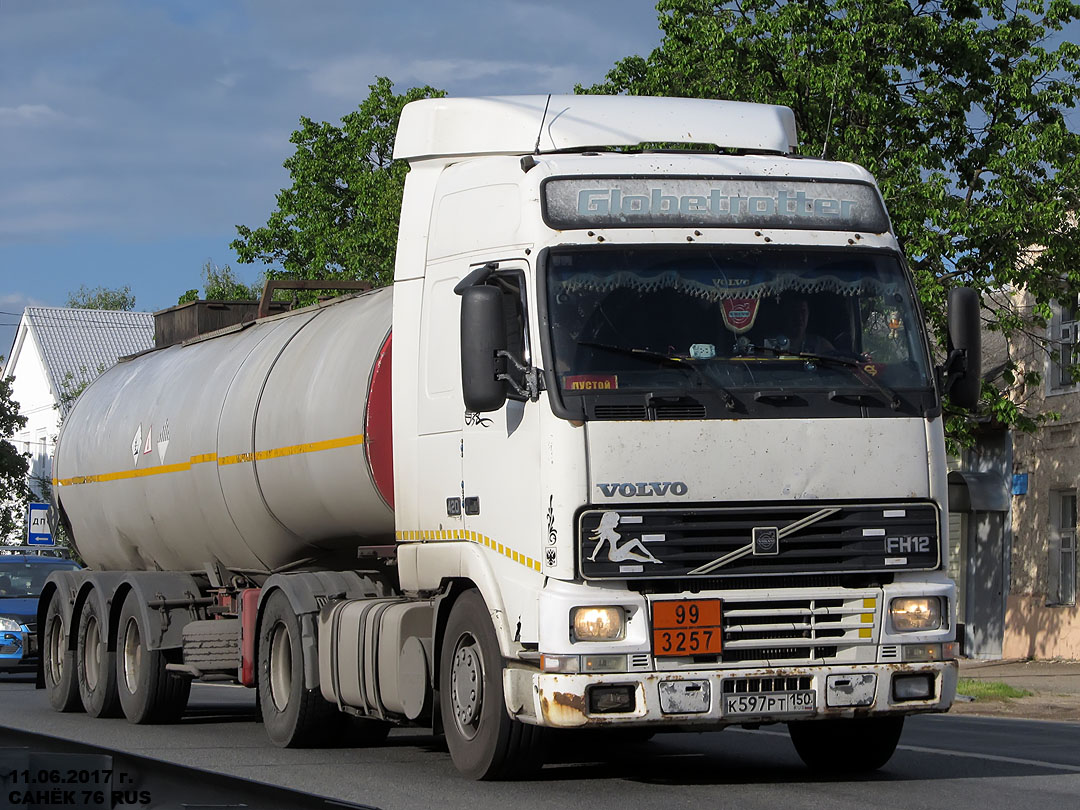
pixel 791 629
pixel 720 542
pixel 749 686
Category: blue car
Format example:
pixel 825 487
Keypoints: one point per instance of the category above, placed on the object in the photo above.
pixel 23 571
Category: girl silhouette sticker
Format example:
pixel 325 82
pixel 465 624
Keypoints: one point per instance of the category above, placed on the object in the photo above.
pixel 632 549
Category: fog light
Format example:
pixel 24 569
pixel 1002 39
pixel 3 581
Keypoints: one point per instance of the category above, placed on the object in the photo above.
pixel 910 614
pixel 604 699
pixel 603 663
pixel 559 663
pixel 597 623
pixel 913 687
pixel 922 652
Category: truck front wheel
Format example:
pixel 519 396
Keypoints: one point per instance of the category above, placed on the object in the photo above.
pixel 58 659
pixel 847 746
pixel 294 717
pixel 485 742
pixel 148 692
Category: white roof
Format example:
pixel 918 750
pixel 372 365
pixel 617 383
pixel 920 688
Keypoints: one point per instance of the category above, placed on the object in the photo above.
pixel 79 344
pixel 511 125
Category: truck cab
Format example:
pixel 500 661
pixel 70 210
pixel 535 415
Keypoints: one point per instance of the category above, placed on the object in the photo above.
pixel 698 478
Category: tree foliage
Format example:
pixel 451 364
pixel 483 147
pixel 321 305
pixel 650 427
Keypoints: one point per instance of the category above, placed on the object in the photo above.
pixel 956 106
pixel 339 219
pixel 222 284
pixel 13 466
pixel 85 297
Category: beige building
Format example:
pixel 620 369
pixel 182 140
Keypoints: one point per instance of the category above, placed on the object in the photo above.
pixel 1042 619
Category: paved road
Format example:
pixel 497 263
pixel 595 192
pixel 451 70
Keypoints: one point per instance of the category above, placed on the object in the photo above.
pixel 943 761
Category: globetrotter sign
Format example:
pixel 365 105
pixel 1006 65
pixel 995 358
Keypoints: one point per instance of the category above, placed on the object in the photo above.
pixel 659 202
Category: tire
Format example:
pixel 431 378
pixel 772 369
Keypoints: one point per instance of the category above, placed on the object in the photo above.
pixel 857 745
pixel 58 660
pixel 485 742
pixel 148 692
pixel 95 664
pixel 294 717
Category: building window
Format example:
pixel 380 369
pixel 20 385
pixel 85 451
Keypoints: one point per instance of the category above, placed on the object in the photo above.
pixel 1063 346
pixel 1062 582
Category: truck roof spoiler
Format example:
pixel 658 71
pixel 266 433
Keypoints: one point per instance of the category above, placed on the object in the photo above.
pixel 523 125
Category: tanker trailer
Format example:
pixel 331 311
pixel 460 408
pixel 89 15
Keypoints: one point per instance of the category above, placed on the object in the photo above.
pixel 592 513
pixel 189 476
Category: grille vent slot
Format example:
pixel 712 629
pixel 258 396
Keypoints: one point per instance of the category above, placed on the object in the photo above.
pixel 627 412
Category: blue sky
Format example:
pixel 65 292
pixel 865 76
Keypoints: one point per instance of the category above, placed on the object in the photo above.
pixel 137 133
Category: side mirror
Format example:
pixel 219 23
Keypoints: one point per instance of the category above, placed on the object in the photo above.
pixel 483 334
pixel 963 367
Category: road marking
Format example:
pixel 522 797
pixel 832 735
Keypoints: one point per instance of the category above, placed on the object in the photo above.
pixel 919 749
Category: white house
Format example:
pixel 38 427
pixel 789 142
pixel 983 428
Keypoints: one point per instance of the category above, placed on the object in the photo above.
pixel 56 352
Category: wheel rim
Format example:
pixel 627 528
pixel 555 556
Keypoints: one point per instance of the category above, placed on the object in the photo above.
pixel 92 653
pixel 132 655
pixel 55 642
pixel 280 666
pixel 467 686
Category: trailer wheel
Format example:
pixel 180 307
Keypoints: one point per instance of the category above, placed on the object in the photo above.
pixel 857 745
pixel 59 661
pixel 95 665
pixel 148 692
pixel 485 742
pixel 294 717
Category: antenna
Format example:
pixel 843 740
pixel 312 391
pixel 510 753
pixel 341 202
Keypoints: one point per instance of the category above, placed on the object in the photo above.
pixel 542 122
pixel 832 104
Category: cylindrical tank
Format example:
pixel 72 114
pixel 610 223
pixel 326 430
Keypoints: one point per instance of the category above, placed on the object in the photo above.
pixel 262 448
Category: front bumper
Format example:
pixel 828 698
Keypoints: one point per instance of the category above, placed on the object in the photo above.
pixel 18 649
pixel 699 697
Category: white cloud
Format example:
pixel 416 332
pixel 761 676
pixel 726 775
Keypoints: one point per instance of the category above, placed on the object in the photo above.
pixel 28 114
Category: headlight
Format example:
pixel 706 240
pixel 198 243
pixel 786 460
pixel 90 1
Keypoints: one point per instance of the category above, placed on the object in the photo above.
pixel 909 613
pixel 597 623
pixel 7 623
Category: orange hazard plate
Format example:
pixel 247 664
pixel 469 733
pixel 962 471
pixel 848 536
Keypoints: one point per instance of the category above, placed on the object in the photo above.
pixel 687 627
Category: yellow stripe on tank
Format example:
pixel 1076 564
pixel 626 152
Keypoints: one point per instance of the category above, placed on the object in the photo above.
pixel 203 458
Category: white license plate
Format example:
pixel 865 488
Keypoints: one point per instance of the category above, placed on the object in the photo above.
pixel 770 703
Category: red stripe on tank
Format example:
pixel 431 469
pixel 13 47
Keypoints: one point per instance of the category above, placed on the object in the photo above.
pixel 379 425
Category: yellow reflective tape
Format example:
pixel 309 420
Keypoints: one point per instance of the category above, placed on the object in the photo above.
pixel 126 474
pixel 224 461
pixel 202 458
pixel 867 618
pixel 869 603
pixel 866 632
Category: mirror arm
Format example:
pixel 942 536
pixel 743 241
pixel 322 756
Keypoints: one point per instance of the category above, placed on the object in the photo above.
pixel 534 382
pixel 955 364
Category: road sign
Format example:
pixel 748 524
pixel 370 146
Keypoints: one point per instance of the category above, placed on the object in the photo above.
pixel 38 519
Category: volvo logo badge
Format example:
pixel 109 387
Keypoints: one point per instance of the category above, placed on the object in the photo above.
pixel 766 540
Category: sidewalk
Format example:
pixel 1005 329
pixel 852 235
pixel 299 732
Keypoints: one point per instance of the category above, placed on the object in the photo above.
pixel 1054 687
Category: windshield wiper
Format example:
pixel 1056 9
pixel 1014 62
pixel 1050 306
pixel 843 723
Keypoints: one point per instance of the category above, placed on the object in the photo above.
pixel 684 363
pixel 891 397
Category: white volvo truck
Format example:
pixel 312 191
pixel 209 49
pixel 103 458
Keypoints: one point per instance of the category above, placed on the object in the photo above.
pixel 658 445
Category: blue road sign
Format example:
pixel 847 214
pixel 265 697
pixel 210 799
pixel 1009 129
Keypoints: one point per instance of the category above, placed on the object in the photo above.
pixel 39 534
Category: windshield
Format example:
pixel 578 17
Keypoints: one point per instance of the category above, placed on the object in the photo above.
pixel 22 579
pixel 780 320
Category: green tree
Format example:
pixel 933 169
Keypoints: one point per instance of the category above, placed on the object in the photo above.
pixel 339 219
pixel 102 298
pixel 222 284
pixel 958 107
pixel 13 467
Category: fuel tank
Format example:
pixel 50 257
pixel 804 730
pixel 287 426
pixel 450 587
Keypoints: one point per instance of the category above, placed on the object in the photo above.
pixel 263 447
